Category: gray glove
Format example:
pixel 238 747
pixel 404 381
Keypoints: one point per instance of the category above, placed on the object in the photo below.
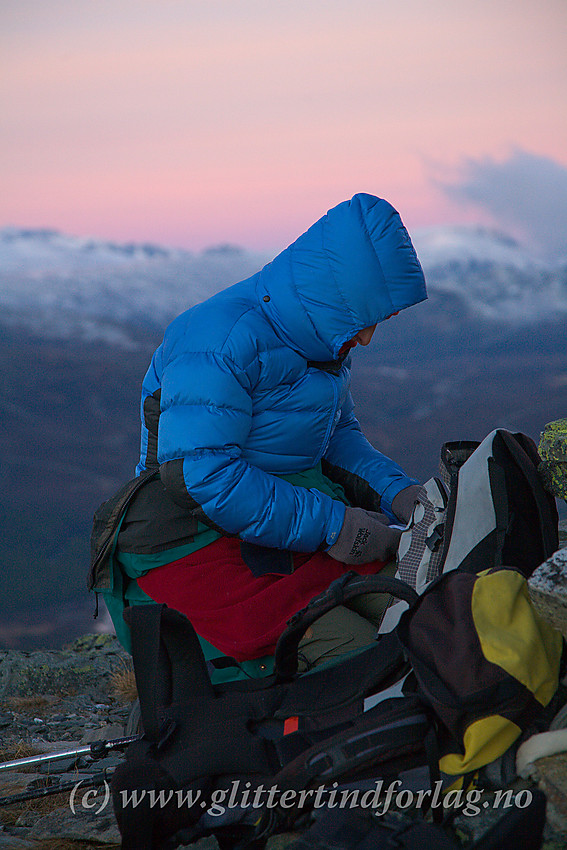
pixel 403 504
pixel 364 537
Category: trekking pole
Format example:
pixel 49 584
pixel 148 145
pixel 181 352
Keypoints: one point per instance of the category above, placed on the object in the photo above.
pixel 57 788
pixel 96 750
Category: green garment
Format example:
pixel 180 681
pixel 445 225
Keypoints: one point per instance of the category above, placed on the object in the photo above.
pixel 126 567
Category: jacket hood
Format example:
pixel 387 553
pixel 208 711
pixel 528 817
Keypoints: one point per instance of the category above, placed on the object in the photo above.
pixel 352 269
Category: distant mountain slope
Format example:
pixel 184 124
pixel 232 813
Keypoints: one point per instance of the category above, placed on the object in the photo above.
pixel 62 286
pixel 492 274
pixel 80 318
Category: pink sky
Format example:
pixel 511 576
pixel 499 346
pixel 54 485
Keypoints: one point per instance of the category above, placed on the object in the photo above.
pixel 193 122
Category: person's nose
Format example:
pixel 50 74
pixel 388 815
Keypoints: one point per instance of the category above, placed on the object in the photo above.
pixel 365 335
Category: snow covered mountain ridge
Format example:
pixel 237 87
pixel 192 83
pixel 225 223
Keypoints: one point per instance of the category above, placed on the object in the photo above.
pixel 65 286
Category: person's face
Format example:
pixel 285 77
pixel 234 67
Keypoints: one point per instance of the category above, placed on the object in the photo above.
pixel 363 337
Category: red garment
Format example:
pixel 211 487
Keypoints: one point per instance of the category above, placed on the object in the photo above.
pixel 239 613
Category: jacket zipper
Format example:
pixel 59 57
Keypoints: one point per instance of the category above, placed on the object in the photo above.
pixel 331 421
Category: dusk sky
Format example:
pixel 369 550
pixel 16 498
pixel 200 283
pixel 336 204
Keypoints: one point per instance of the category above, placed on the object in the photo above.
pixel 195 122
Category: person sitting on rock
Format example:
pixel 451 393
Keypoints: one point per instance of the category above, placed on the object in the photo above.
pixel 267 488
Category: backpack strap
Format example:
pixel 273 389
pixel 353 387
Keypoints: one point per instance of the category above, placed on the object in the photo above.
pixel 525 453
pixel 167 655
pixel 391 733
pixel 145 623
pixel 347 587
pixel 197 732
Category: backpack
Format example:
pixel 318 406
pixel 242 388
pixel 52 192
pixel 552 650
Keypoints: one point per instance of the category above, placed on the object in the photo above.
pixel 393 712
pixel 487 508
pixel 355 829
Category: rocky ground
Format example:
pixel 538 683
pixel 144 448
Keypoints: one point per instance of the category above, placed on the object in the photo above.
pixel 57 701
pixel 62 700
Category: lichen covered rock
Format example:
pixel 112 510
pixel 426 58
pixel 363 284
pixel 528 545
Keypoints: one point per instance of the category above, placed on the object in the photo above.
pixel 553 452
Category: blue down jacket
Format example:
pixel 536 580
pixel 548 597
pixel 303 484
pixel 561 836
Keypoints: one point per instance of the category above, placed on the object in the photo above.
pixel 248 385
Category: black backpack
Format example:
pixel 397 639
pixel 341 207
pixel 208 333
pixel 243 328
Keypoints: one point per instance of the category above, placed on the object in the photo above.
pixel 287 731
pixel 211 755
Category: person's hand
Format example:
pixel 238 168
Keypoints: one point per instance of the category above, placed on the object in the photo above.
pixel 364 537
pixel 404 503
